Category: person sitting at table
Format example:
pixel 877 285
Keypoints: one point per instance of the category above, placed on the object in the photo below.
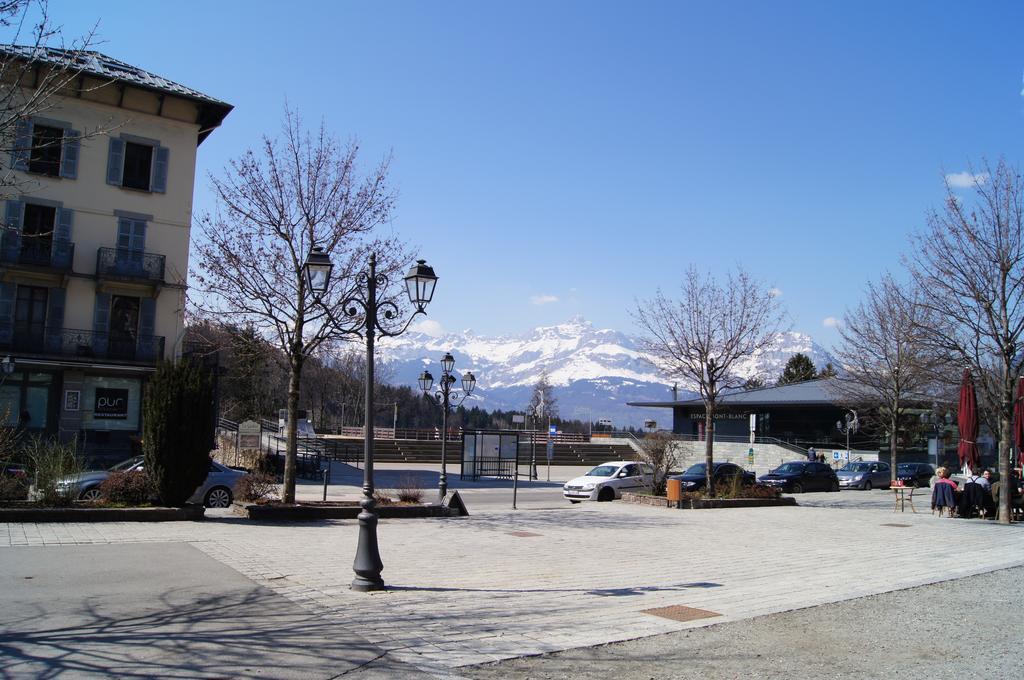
pixel 1016 496
pixel 974 498
pixel 985 480
pixel 944 493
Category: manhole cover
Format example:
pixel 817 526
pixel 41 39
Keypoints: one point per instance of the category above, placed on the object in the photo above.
pixel 902 526
pixel 680 613
pixel 522 534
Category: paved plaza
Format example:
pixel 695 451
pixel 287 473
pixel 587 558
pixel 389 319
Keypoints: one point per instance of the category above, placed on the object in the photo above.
pixel 552 576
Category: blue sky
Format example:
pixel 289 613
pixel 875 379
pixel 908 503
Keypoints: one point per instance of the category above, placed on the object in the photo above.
pixel 563 158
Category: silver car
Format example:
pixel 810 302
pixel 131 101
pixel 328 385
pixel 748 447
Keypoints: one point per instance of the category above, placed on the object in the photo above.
pixel 215 492
pixel 865 475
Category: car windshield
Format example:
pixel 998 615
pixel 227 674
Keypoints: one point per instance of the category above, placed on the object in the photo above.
pixel 603 471
pixel 697 469
pixel 125 464
pixel 789 468
pixel 856 467
pixel 907 467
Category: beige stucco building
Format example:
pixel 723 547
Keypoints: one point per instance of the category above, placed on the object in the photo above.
pixel 95 244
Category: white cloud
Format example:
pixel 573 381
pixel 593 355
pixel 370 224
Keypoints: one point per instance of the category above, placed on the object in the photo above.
pixel 830 322
pixel 429 327
pixel 775 292
pixel 966 180
pixel 543 299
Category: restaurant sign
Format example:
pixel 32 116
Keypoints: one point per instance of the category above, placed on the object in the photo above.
pixel 111 404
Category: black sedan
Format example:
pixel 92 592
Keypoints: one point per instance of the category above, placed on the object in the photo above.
pixel 915 474
pixel 722 474
pixel 799 476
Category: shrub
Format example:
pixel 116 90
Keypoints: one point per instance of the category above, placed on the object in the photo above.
pixel 409 489
pixel 178 429
pixel 383 497
pixel 130 487
pixel 13 488
pixel 657 449
pixel 55 467
pixel 256 487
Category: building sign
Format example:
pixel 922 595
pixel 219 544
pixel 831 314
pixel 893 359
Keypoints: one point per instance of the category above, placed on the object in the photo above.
pixel 249 434
pixel 72 400
pixel 111 404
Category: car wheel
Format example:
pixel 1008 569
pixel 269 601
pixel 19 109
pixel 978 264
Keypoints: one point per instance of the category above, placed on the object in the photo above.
pixel 606 494
pixel 92 494
pixel 867 485
pixel 798 487
pixel 835 486
pixel 218 497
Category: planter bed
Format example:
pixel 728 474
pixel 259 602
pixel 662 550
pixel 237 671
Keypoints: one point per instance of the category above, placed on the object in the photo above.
pixel 703 504
pixel 311 510
pixel 81 513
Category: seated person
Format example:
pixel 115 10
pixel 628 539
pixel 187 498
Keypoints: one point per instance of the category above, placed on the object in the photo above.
pixel 944 492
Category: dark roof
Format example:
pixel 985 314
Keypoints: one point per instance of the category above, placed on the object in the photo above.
pixel 810 392
pixel 100 65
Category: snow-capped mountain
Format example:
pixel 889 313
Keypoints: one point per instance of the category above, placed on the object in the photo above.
pixel 595 372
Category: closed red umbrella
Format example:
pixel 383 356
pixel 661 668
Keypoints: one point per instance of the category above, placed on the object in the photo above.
pixel 1018 422
pixel 967 419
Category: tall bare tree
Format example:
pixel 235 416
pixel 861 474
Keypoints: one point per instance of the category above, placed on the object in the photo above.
pixel 969 265
pixel 37 66
pixel 701 336
pixel 887 363
pixel 543 403
pixel 273 205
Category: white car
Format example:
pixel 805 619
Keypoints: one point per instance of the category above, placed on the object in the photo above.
pixel 607 481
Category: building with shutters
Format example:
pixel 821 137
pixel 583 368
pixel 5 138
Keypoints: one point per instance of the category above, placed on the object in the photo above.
pixel 95 244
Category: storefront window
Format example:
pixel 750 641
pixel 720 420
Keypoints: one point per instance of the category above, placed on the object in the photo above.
pixel 111 403
pixel 25 400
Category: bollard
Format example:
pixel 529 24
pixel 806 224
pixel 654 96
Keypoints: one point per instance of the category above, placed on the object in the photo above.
pixel 674 491
pixel 327 475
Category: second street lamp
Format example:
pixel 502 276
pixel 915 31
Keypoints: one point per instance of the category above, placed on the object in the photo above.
pixel 446 397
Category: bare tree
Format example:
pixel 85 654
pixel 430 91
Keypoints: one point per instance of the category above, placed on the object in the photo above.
pixel 543 403
pixel 36 68
pixel 887 364
pixel 300 190
pixel 969 265
pixel 700 337
pixel 658 449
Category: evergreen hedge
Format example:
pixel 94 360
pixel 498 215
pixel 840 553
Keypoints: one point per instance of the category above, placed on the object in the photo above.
pixel 177 429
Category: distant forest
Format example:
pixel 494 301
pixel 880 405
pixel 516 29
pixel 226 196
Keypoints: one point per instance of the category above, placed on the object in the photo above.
pixel 253 384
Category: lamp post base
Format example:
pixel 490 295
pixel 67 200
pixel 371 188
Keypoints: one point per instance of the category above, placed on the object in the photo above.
pixel 367 564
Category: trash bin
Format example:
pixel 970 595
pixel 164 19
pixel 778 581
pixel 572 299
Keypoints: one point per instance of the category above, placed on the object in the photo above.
pixel 674 490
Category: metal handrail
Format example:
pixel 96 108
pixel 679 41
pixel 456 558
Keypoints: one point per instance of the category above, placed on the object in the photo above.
pixel 83 345
pixel 130 264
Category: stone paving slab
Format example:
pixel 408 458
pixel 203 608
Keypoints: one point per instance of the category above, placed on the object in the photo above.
pixel 466 591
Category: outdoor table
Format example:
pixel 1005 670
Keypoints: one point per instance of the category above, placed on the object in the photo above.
pixel 902 498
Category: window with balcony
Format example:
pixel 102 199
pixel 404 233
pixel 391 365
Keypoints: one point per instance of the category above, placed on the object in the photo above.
pixel 30 317
pixel 37 234
pixel 124 325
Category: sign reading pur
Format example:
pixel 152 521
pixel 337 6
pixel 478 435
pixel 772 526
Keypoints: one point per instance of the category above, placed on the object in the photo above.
pixel 111 404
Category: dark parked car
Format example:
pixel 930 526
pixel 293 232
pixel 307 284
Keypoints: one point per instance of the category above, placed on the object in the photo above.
pixel 799 476
pixel 915 474
pixel 722 473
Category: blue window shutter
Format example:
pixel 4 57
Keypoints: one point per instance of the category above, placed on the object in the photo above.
pixel 147 326
pixel 160 157
pixel 11 244
pixel 22 144
pixel 54 320
pixel 61 252
pixel 8 295
pixel 115 161
pixel 139 239
pixel 101 323
pixel 69 160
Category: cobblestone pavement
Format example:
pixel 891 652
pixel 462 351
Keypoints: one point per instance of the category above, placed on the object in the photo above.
pixel 501 584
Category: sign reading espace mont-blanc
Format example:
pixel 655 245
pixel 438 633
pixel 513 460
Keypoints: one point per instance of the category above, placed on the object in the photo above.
pixel 111 404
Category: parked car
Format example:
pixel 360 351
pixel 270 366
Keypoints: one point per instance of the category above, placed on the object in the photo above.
pixel 799 476
pixel 607 481
pixel 915 474
pixel 865 475
pixel 722 473
pixel 215 492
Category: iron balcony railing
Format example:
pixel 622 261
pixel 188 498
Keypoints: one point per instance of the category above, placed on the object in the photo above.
pixel 70 343
pixel 19 249
pixel 123 263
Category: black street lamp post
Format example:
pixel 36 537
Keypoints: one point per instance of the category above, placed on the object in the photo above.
pixel 371 317
pixel 446 397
